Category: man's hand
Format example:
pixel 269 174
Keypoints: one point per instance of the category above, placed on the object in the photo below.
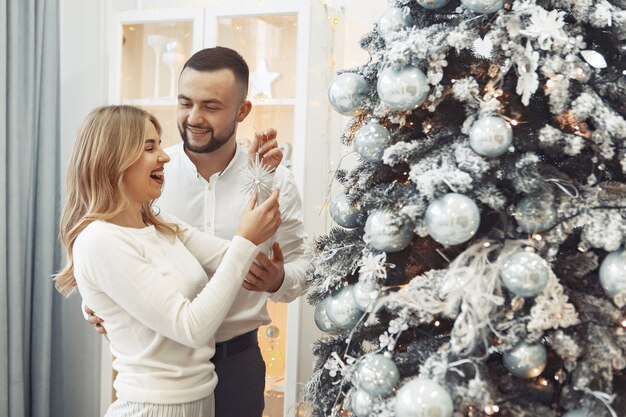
pixel 95 321
pixel 266 144
pixel 266 274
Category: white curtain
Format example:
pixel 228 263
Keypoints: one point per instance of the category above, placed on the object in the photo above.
pixel 29 204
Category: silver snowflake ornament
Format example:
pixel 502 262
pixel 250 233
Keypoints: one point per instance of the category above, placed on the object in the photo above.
pixel 257 178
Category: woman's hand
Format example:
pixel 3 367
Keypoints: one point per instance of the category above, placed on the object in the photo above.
pixel 258 224
pixel 266 145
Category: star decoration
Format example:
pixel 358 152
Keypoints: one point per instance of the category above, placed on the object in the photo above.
pixel 261 81
pixel 257 178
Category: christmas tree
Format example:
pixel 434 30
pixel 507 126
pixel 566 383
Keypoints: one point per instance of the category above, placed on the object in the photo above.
pixel 477 267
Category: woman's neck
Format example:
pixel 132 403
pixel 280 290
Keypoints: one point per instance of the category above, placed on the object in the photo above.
pixel 131 217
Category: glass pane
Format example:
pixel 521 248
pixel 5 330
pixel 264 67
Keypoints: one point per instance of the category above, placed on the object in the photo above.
pixel 272 344
pixel 268 44
pixel 152 56
pixel 166 115
pixel 263 116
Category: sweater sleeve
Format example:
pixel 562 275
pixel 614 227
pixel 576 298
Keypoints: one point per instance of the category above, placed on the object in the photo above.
pixel 197 242
pixel 115 265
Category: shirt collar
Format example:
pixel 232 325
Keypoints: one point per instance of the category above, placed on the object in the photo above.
pixel 186 162
pixel 241 156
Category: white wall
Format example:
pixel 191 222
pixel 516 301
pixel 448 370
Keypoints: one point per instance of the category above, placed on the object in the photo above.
pixel 83 87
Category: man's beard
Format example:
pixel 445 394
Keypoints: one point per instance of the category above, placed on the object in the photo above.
pixel 217 139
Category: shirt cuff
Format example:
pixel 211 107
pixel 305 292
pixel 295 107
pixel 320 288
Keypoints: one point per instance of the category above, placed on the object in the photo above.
pixel 285 287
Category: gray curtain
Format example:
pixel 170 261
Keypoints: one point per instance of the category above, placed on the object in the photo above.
pixel 29 201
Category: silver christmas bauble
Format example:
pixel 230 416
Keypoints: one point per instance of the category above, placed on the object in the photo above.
pixel 346 93
pixel 370 141
pixel 403 89
pixel 341 309
pixel 272 332
pixel 393 20
pixel 526 360
pixel 452 219
pixel 388 231
pixel 377 375
pixel 490 136
pixel 343 213
pixel 613 275
pixel 364 294
pixel 361 403
pixel 483 6
pixel 535 213
pixel 321 317
pixel 525 274
pixel 580 412
pixel 432 4
pixel 423 398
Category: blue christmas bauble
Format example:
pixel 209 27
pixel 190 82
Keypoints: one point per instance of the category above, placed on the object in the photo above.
pixel 483 6
pixel 341 309
pixel 403 89
pixel 364 294
pixel 361 403
pixel 452 219
pixel 377 375
pixel 526 360
pixel 423 398
pixel 432 4
pixel 344 213
pixel 490 136
pixel 347 92
pixel 370 141
pixel 321 317
pixel 613 276
pixel 388 231
pixel 535 213
pixel 525 274
pixel 580 412
pixel 393 20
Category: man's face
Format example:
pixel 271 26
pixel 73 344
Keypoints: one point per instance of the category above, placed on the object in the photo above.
pixel 210 104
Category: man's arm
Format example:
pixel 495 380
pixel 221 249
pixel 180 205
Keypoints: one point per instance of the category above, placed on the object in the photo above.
pixel 284 274
pixel 94 320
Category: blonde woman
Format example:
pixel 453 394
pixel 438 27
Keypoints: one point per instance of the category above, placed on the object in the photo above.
pixel 145 273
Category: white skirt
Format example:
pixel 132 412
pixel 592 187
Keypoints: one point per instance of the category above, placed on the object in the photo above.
pixel 204 407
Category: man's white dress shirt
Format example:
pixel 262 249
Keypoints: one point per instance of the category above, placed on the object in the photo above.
pixel 215 206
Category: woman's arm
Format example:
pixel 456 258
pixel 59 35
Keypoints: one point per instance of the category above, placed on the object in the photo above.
pixel 113 264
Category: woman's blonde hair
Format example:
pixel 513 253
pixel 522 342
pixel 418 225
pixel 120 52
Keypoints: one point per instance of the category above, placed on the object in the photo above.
pixel 110 140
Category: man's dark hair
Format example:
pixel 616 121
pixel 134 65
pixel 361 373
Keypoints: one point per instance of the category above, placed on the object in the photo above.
pixel 217 58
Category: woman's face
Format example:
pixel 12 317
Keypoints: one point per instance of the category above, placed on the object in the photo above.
pixel 143 180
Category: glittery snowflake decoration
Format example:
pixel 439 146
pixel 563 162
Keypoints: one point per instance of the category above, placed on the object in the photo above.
pixel 373 267
pixel 546 27
pixel 257 178
pixel 483 47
